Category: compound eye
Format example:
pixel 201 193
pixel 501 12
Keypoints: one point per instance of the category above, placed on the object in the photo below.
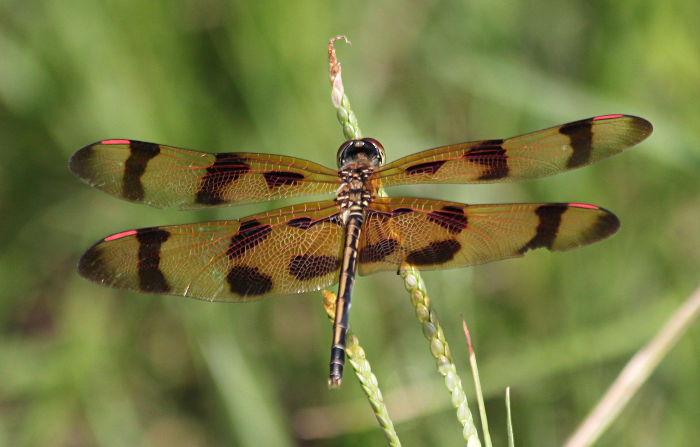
pixel 343 152
pixel 378 149
pixel 366 150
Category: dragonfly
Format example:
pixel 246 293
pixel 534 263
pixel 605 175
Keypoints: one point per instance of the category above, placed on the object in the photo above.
pixel 310 246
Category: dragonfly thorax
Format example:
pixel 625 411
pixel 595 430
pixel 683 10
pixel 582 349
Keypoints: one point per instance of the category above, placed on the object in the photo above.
pixel 355 192
pixel 357 161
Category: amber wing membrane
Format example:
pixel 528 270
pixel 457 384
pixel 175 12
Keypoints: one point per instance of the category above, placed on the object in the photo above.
pixel 164 176
pixel 289 250
pixel 532 155
pixel 434 234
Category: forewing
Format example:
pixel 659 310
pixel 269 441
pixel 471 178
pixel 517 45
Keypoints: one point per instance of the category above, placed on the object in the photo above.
pixel 433 234
pixel 288 250
pixel 164 176
pixel 532 155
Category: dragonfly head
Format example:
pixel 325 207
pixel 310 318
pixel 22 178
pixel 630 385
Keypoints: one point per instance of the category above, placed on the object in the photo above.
pixel 366 150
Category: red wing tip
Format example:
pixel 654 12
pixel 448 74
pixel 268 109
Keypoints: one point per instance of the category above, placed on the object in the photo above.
pixel 120 235
pixel 607 117
pixel 584 205
pixel 115 141
pixel 641 124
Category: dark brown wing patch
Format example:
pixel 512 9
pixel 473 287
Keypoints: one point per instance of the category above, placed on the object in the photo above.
pixel 606 224
pixel 430 167
pixel 400 211
pixel 452 218
pixel 378 251
pixel 492 156
pixel 301 222
pixel 248 281
pixel 275 179
pixel 305 223
pixel 134 167
pixel 435 253
pixel 250 234
pixel 225 170
pixel 151 278
pixel 548 227
pixel 92 264
pixel 305 267
pixel 581 136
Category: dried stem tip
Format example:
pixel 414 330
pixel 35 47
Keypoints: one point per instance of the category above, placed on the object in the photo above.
pixel 337 90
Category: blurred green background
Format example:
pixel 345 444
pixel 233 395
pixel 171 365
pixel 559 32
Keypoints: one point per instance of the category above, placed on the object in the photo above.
pixel 83 365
